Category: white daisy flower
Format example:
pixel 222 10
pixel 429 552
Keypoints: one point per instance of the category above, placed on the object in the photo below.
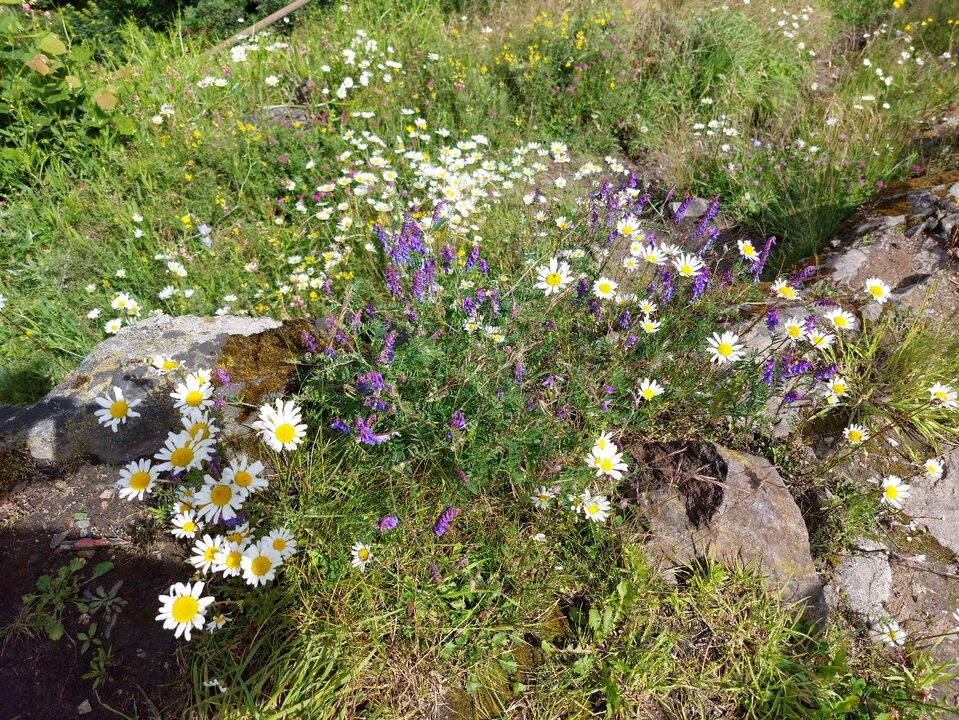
pixel 137 479
pixel 281 426
pixel 877 290
pixel 182 452
pixel 259 563
pixel 596 508
pixel 218 500
pixel 185 525
pixel 725 348
pixel 282 542
pixel 605 288
pixel 361 556
pixel 554 277
pixel 205 551
pixel 247 476
pixel 649 389
pixel 855 434
pixel 114 411
pixel 229 558
pixel 194 393
pixel 894 491
pixel 184 608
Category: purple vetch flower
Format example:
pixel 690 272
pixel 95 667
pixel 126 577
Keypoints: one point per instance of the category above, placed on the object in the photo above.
pixel 386 354
pixel 582 288
pixel 562 413
pixel 472 257
pixel 708 217
pixel 518 372
pixel 681 210
pixel 214 465
pixel 669 195
pixel 365 435
pixel 802 275
pixel 630 341
pixel 760 263
pixel 772 319
pixel 701 283
pixel 549 325
pixel 417 285
pixel 482 266
pixel 447 256
pixel 457 421
pixel 387 523
pixel 713 236
pixel 826 373
pixel 309 342
pixel 218 402
pixel 443 521
pixel 791 397
pixel 769 368
pixel 826 303
pixel 393 281
pixel 434 573
pixel 222 377
pixel 809 324
pixel 340 426
pixel 799 367
pixel 369 382
pixel 668 287
pixel 623 320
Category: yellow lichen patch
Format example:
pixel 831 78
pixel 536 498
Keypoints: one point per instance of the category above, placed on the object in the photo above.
pixel 262 362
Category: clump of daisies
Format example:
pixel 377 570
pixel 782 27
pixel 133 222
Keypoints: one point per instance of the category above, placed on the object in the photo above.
pixel 209 492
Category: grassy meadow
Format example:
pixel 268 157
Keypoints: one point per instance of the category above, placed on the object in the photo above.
pixel 403 175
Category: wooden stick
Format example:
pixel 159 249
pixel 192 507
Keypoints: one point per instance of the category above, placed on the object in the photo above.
pixel 265 22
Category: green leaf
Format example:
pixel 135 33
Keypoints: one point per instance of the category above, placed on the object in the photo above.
pixel 43 582
pixel 52 45
pixel 125 125
pixel 105 100
pixel 101 569
pixel 54 629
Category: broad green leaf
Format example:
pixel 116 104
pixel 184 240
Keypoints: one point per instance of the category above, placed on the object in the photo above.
pixel 52 45
pixel 72 81
pixel 125 125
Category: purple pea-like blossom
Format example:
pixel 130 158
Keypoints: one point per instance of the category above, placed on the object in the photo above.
pixel 630 341
pixel 623 320
pixel 341 427
pixel 457 420
pixel 681 210
pixel 443 521
pixel 760 263
pixel 701 283
pixel 222 377
pixel 393 281
pixel 309 342
pixel 518 372
pixel 769 368
pixel 447 256
pixel 369 382
pixel 387 523
pixel 802 275
pixel 386 354
pixel 791 397
pixel 482 266
pixel 826 373
pixel 772 319
pixel 365 435
pixel 434 573
pixel 472 257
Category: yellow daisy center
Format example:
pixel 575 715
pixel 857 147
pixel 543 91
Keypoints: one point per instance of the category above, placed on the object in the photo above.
pixel 627 230
pixel 553 279
pixel 593 509
pixel 940 396
pixel 279 544
pixel 139 480
pixel 855 435
pixel 210 553
pixel 220 495
pixel 748 250
pixel 839 321
pixel 189 526
pixel 169 365
pixel 606 464
pixel 363 554
pixel 284 433
pixel 793 330
pixel 891 492
pixel 648 393
pixel 686 270
pixel 876 291
pixel 200 429
pixel 261 565
pixel 234 559
pixel 118 409
pixel 185 609
pixel 787 292
pixel 725 349
pixel 839 388
pixel 181 457
pixel 193 398
pixel 242 478
pixel 605 288
pixel 651 258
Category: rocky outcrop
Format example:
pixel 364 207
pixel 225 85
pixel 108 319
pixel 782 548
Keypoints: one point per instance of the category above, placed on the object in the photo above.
pixel 61 427
pixel 907 237
pixel 703 500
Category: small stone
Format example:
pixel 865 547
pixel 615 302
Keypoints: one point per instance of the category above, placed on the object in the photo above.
pixel 106 494
pixel 84 708
pixel 57 539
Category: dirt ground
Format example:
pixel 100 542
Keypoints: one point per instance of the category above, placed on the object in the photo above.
pixel 45 522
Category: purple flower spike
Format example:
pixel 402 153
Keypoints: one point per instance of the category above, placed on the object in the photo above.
pixel 443 521
pixel 387 523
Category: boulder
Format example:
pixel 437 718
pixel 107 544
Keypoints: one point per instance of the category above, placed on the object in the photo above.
pixel 61 427
pixel 906 237
pixel 933 505
pixel 863 582
pixel 702 500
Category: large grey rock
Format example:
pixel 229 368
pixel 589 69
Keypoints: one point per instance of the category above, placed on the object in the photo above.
pixel 863 582
pixel 934 504
pixel 62 427
pixel 905 237
pixel 702 500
